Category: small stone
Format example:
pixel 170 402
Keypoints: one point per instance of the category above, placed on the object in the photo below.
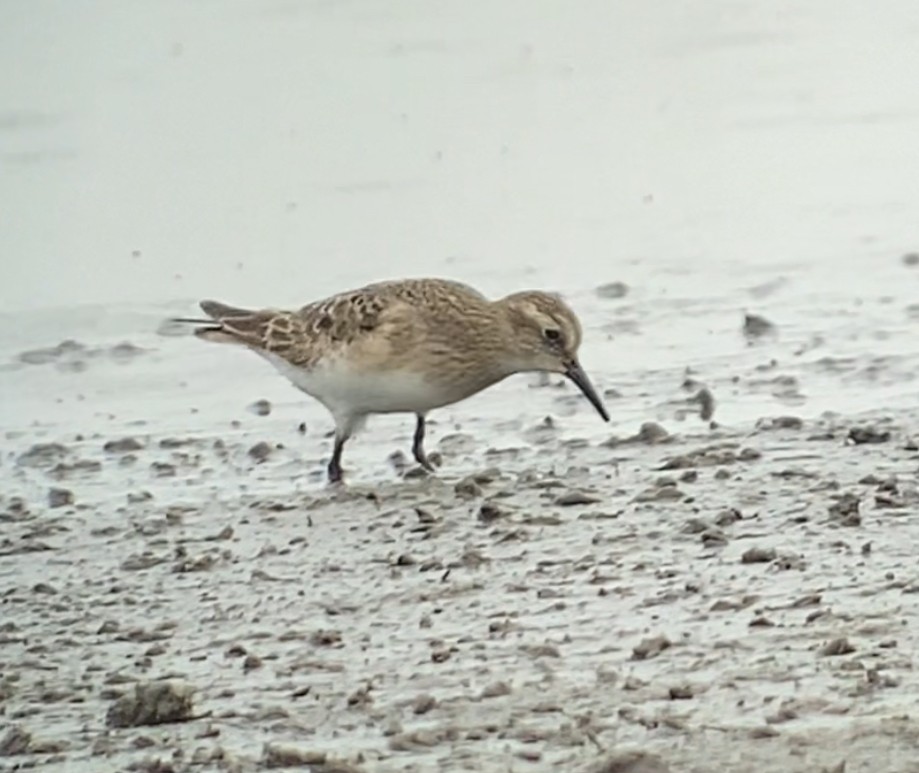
pixel 630 762
pixel 17 741
pixel 713 537
pixel 728 517
pixel 224 534
pixel 780 422
pixel 467 488
pixel 251 663
pixel 123 446
pixel 276 755
pixel 152 703
pixel 612 290
pixel 706 401
pixel 490 512
pixel 60 497
pixel 260 407
pixel 681 693
pixel 440 655
pixel 836 647
pixel 755 326
pixel 496 690
pixel 652 433
pixel 650 648
pixel 423 704
pixel 325 638
pixel 845 510
pixel 260 451
pixel 42 455
pixel 695 526
pixel 861 435
pixel 571 498
pixel 758 556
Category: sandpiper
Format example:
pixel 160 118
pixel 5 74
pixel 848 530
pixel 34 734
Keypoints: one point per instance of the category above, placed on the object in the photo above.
pixel 406 346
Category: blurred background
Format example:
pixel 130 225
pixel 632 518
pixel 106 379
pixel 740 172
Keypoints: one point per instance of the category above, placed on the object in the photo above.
pixel 716 158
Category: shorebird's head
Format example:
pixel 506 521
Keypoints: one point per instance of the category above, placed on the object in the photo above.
pixel 546 336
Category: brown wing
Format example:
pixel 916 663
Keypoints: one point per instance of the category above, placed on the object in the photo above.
pixel 378 318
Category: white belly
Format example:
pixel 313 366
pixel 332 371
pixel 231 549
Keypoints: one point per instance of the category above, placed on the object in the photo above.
pixel 345 391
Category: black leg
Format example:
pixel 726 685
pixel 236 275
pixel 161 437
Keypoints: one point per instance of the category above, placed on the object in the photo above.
pixel 335 464
pixel 418 445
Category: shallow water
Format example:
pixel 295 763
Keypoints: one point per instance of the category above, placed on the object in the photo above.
pixel 728 158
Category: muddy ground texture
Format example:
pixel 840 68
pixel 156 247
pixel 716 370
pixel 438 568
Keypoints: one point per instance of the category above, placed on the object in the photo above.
pixel 717 600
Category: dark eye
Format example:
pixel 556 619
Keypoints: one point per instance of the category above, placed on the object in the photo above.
pixel 552 334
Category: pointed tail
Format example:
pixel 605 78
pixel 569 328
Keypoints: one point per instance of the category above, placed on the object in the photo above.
pixel 229 324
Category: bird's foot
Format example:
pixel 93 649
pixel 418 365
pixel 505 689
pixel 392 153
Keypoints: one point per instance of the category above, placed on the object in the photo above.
pixel 423 460
pixel 335 474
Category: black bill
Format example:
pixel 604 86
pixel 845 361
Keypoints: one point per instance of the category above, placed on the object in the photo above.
pixel 576 373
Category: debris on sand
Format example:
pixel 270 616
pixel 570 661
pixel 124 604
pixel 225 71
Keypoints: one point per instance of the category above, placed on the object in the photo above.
pixel 758 556
pixel 467 488
pixel 650 433
pixel 706 401
pixel 845 510
pixel 59 497
pixel 836 647
pixel 612 290
pixel 755 326
pixel 260 407
pixel 42 455
pixel 124 445
pixel 571 498
pixel 51 353
pixel 859 435
pixel 283 756
pixel 779 422
pixel 18 740
pixel 630 762
pixel 711 456
pixel 650 648
pixel 260 451
pixel 152 703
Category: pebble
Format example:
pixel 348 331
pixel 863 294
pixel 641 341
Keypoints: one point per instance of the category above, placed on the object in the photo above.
pixel 756 326
pixel 571 498
pixel 152 703
pixel 60 497
pixel 757 555
pixel 650 648
pixel 630 762
pixel 612 290
pixel 260 407
pixel 836 647
pixel 123 446
pixel 260 451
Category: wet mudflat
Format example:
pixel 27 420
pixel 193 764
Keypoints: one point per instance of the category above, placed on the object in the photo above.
pixel 710 600
pixel 726 195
